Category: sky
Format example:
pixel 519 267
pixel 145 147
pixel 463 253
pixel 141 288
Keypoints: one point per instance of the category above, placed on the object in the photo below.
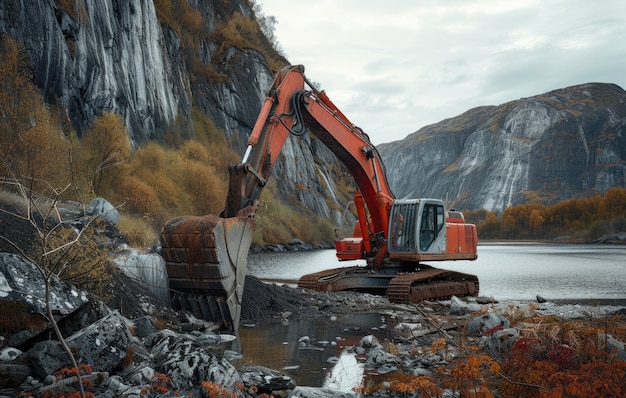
pixel 395 66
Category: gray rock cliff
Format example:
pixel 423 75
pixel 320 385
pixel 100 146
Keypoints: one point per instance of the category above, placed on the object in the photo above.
pixel 116 55
pixel 566 143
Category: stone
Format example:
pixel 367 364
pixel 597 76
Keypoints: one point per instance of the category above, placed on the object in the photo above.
pixel 102 344
pixel 458 306
pixel 501 341
pixel 315 392
pixel 148 269
pixel 143 326
pixel 486 300
pixel 100 207
pixel 46 357
pixel 21 281
pixel 265 380
pixel 489 320
pixel 13 374
pixel 9 354
pixel 188 363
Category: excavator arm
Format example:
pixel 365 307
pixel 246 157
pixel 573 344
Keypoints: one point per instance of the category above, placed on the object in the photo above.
pixel 295 106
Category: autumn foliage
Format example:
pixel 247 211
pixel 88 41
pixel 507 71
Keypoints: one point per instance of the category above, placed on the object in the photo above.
pixel 553 358
pixel 580 219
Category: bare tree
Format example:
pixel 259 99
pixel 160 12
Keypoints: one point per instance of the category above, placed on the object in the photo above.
pixel 56 244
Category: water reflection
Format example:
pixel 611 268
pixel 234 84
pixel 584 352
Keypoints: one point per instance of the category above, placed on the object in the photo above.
pixel 345 375
pixel 310 350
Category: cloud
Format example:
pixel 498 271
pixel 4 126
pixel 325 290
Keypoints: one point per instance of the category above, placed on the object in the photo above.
pixel 393 67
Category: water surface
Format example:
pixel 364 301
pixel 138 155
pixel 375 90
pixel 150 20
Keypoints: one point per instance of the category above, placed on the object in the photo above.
pixel 505 271
pixel 577 273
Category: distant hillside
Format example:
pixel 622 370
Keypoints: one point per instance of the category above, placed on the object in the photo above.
pixel 563 144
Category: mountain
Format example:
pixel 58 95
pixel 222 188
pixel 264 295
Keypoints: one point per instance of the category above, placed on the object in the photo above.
pixel 154 61
pixel 566 143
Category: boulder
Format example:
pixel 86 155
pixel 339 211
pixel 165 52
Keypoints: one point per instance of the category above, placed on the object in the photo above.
pixel 13 374
pixel 22 288
pixel 148 269
pixel 46 357
pixel 501 341
pixel 458 306
pixel 188 363
pixel 21 281
pixel 102 344
pixel 316 392
pixel 100 207
pixel 486 322
pixel 265 380
pixel 613 345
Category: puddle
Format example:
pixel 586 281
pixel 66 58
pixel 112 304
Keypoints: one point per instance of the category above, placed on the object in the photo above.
pixel 312 351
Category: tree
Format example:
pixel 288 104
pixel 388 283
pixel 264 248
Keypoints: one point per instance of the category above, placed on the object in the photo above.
pixel 59 245
pixel 106 147
pixel 536 222
pixel 29 143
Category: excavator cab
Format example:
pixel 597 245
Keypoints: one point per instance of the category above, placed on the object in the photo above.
pixel 417 226
pixel 421 229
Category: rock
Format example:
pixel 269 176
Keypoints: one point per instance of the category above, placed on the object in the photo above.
pixel 540 299
pixel 458 306
pixel 501 341
pixel 378 358
pixel 21 281
pixel 486 300
pixel 314 392
pixel 67 386
pixel 265 380
pixel 486 322
pixel 116 385
pixel 619 237
pixel 369 342
pixel 46 357
pixel 528 132
pixel 188 364
pixel 101 208
pixel 148 269
pixel 102 344
pixel 613 345
pixel 143 326
pixel 13 374
pixel 9 354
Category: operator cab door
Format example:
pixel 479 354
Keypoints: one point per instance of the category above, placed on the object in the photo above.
pixel 417 229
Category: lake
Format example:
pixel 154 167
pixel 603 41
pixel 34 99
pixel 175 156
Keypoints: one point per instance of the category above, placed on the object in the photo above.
pixel 506 271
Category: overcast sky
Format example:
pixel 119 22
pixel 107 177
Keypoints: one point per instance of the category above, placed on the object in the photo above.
pixel 395 66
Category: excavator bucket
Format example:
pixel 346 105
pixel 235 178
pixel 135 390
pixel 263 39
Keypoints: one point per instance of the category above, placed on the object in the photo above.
pixel 206 260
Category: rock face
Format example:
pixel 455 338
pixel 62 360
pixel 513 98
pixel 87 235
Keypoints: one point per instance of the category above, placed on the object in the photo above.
pixel 106 56
pixel 554 146
pixel 116 55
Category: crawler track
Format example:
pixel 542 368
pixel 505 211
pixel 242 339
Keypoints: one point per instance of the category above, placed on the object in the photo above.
pixel 431 284
pixel 402 287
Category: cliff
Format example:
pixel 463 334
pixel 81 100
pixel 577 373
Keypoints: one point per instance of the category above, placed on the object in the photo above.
pixel 124 56
pixel 566 143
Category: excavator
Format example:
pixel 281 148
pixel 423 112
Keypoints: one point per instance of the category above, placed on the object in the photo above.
pixel 206 256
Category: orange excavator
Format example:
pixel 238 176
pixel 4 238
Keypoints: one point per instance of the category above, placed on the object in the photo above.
pixel 206 256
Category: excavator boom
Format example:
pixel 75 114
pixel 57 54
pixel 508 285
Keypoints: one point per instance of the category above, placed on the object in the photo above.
pixel 206 257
